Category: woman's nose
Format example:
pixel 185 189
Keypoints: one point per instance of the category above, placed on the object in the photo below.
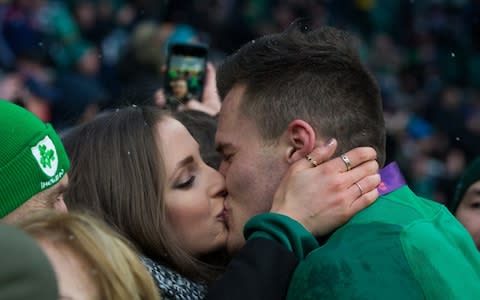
pixel 218 187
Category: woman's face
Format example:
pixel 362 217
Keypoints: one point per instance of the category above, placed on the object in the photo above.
pixel 74 278
pixel 468 212
pixel 194 192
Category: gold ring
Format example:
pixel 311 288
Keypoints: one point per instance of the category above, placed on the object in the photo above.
pixel 347 162
pixel 312 161
pixel 359 187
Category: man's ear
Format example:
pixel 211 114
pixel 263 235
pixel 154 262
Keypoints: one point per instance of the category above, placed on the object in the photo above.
pixel 301 140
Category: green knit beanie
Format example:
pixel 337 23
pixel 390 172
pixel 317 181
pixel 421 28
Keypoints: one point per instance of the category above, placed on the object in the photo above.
pixel 32 157
pixel 469 177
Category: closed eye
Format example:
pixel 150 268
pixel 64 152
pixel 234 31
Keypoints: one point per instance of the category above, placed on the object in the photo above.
pixel 185 184
pixel 227 157
pixel 475 205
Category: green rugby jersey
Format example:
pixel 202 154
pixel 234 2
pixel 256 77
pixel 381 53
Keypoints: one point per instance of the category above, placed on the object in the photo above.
pixel 401 247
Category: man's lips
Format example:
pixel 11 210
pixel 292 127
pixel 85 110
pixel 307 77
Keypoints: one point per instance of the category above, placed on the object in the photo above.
pixel 223 215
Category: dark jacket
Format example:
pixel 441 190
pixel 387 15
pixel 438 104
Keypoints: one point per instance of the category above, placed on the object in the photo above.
pixel 263 267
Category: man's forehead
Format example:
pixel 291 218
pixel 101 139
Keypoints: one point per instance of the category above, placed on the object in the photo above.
pixel 227 118
pixel 231 102
pixel 228 111
pixel 232 124
pixel 221 137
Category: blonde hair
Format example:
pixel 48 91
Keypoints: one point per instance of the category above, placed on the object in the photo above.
pixel 118 272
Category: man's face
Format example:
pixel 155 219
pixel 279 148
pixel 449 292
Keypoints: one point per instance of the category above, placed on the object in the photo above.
pixel 179 88
pixel 251 168
pixel 51 198
pixel 468 212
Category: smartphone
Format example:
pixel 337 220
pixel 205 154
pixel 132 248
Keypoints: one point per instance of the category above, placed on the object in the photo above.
pixel 185 74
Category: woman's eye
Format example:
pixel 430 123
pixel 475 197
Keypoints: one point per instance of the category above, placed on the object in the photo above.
pixel 185 184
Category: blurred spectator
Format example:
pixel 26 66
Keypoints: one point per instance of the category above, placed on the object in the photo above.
pixel 34 164
pixel 141 66
pixel 82 92
pixel 466 203
pixel 26 272
pixel 90 260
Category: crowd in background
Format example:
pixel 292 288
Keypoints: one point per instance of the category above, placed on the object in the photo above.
pixel 65 60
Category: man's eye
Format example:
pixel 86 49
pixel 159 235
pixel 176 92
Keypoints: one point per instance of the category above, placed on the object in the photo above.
pixel 185 184
pixel 475 205
pixel 227 157
pixel 54 200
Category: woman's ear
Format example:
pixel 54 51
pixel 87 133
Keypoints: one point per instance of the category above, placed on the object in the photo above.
pixel 301 140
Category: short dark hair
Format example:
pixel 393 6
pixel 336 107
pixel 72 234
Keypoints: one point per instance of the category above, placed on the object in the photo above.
pixel 314 75
pixel 118 174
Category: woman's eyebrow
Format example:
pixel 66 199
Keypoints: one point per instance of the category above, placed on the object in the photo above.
pixel 186 161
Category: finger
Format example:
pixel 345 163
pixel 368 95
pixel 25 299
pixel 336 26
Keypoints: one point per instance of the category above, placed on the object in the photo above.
pixel 319 154
pixel 365 185
pixel 195 105
pixel 210 75
pixel 364 201
pixel 210 95
pixel 359 172
pixel 356 157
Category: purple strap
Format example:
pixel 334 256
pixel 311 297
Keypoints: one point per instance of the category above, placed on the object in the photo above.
pixel 392 179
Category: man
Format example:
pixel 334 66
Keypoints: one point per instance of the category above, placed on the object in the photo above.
pixel 297 90
pixel 466 203
pixel 33 164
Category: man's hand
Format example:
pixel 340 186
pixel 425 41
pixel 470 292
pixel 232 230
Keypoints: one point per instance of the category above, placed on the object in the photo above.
pixel 323 195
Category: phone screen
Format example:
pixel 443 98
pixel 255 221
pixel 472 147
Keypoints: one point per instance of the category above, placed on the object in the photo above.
pixel 185 73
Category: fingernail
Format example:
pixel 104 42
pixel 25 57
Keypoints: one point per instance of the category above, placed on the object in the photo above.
pixel 330 142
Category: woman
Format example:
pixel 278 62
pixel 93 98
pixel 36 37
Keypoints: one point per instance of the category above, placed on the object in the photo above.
pixel 90 260
pixel 141 170
pixel 171 209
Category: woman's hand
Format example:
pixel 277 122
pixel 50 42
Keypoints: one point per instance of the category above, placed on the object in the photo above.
pixel 322 194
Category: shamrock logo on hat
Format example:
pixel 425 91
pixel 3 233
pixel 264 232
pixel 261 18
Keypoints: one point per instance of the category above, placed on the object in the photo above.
pixel 45 154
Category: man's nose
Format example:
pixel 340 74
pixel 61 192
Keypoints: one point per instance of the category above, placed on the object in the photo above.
pixel 223 168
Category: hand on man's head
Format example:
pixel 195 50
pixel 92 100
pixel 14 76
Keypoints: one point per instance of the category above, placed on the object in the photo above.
pixel 321 194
